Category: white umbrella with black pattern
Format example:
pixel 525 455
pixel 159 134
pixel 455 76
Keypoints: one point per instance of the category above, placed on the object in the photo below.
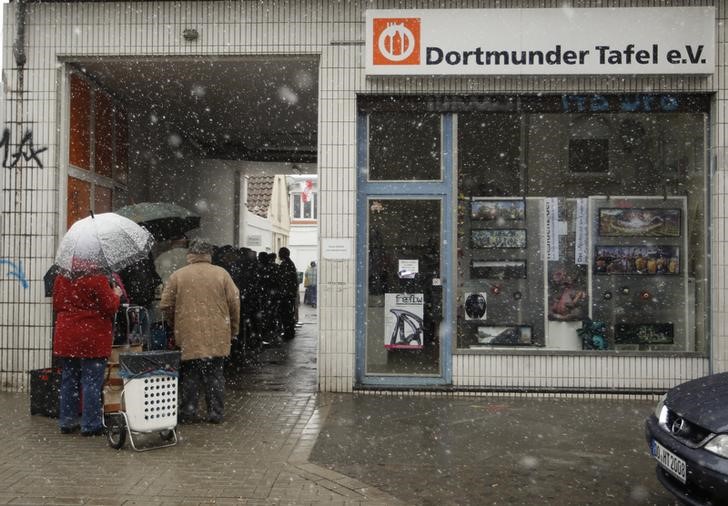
pixel 103 243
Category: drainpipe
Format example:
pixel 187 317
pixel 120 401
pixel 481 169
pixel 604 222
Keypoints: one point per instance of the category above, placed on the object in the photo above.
pixel 19 46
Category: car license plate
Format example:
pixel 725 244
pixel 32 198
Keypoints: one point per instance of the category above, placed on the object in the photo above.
pixel 669 461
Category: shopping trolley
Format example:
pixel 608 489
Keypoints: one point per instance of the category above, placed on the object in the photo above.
pixel 129 336
pixel 132 326
pixel 148 400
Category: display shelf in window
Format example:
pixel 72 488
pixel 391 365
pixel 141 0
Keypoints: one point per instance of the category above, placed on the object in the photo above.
pixel 641 257
pixel 496 266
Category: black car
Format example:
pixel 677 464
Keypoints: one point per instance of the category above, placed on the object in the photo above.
pixel 688 437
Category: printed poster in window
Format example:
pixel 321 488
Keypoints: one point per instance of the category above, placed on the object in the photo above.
pixel 568 299
pixel 552 228
pixel 403 327
pixel 581 246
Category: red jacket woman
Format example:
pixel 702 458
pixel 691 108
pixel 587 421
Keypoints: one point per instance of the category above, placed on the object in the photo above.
pixel 85 309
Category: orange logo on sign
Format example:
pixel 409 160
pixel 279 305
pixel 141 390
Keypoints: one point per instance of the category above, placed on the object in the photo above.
pixel 396 41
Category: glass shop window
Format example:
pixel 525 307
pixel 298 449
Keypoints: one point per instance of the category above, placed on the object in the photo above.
pixel 582 224
pixel 404 146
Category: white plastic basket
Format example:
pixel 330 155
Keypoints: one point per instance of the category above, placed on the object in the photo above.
pixel 151 403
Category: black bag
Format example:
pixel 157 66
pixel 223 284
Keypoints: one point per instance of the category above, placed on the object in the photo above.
pixel 120 328
pixel 44 387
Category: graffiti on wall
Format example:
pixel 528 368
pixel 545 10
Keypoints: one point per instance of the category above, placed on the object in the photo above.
pixel 26 151
pixel 15 270
pixel 11 156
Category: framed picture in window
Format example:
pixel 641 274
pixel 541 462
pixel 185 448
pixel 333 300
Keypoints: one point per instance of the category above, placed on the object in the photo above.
pixel 498 238
pixel 498 211
pixel 504 335
pixel 637 259
pixel 476 305
pixel 498 269
pixel 639 222
pixel 644 333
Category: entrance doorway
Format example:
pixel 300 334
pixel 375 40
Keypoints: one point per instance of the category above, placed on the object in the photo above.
pixel 404 310
pixel 405 199
pixel 199 132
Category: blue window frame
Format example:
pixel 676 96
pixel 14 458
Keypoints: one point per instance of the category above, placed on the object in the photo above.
pixel 440 190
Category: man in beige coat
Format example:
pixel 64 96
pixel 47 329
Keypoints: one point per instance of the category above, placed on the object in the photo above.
pixel 202 304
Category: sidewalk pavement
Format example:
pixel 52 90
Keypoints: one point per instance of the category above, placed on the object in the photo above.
pixel 493 449
pixel 282 443
pixel 259 455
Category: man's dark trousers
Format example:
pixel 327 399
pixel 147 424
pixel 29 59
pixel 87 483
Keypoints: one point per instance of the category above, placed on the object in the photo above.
pixel 201 373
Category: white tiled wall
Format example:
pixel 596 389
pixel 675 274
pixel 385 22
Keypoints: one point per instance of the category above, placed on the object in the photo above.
pixel 574 371
pixel 29 201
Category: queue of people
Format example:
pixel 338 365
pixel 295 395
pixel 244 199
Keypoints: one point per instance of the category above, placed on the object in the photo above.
pixel 267 282
pixel 268 294
pixel 224 297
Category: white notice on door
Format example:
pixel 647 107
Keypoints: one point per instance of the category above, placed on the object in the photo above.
pixel 408 268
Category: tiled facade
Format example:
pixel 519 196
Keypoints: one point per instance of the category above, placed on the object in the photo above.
pixel 32 198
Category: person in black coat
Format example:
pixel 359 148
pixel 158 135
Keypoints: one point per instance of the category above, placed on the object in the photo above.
pixel 232 260
pixel 141 281
pixel 268 298
pixel 288 279
pixel 249 299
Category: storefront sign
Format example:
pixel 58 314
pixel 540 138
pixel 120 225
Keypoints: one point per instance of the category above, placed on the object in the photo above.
pixel 645 40
pixel 403 327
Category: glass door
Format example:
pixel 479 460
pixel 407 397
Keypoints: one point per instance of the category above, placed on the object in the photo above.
pixel 404 249
pixel 404 286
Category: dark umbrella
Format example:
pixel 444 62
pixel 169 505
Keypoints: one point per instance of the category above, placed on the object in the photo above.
pixel 163 219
